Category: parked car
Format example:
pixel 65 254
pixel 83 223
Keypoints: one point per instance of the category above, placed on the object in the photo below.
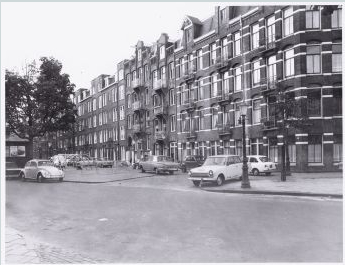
pixel 217 169
pixel 104 162
pixel 12 170
pixel 159 164
pixel 59 161
pixel 85 162
pixel 258 164
pixel 41 170
pixel 191 162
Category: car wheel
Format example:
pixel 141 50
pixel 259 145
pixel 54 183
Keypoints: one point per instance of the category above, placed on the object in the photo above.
pixel 255 172
pixel 220 180
pixel 196 183
pixel 142 170
pixel 22 176
pixel 268 173
pixel 39 178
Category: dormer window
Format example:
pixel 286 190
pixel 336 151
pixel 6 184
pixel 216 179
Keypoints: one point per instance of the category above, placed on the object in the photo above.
pixel 223 15
pixel 162 52
pixel 188 33
pixel 139 55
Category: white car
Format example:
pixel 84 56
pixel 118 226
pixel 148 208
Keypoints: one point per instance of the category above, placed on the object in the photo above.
pixel 217 169
pixel 59 161
pixel 260 164
pixel 40 170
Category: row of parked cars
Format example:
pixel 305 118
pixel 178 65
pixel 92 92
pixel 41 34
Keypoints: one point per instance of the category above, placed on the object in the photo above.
pixel 214 169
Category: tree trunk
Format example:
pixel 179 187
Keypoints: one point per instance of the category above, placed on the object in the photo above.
pixel 30 150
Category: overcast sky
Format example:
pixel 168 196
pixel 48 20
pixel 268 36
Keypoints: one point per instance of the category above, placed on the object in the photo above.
pixel 88 38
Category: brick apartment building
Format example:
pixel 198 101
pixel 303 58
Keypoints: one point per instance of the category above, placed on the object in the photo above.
pixel 182 97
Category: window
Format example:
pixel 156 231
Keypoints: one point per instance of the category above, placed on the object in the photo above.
pixel 162 52
pixel 201 90
pixel 100 119
pixel 146 96
pixel 256 146
pixel 288 21
pixel 223 15
pixel 213 48
pixel 256 114
pixel 121 74
pixel 154 76
pixel 146 72
pixel 214 117
pixel 214 86
pixel 100 102
pixel 162 73
pixel 255 36
pixel 122 133
pixel 292 153
pixel 129 122
pixel 238 79
pixel 94 121
pixel 95 138
pixel 314 59
pixel 314 104
pixel 191 67
pixel 273 150
pixel 225 83
pixel 237 44
pixel 188 33
pixel 312 19
pixel 122 113
pixel 171 97
pixel 201 114
pixel 224 50
pixel 256 73
pixel 238 146
pixel 289 64
pixel 337 149
pixel 129 101
pixel 121 92
pixel 114 115
pixel 271 29
pixel 171 70
pixel 336 58
pixel 128 80
pixel 199 59
pixel 271 68
pixel 147 119
pixel 315 149
pixel 337 97
pixel 336 18
pixel 139 55
pixel 237 113
pixel 173 123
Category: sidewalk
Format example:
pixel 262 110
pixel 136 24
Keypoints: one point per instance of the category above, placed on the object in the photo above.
pixel 329 184
pixel 22 249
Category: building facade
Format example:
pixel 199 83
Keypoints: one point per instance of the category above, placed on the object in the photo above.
pixel 182 97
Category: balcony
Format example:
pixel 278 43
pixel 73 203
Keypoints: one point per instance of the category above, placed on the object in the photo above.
pixel 268 84
pixel 192 135
pixel 160 110
pixel 137 83
pixel 159 84
pixel 189 75
pixel 189 104
pixel 268 44
pixel 222 62
pixel 223 98
pixel 269 123
pixel 160 135
pixel 137 106
pixel 224 129
pixel 138 128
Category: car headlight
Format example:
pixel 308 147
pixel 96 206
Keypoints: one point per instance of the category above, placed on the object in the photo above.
pixel 210 173
pixel 45 173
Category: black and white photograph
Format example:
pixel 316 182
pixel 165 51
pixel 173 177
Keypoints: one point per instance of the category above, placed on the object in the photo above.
pixel 171 132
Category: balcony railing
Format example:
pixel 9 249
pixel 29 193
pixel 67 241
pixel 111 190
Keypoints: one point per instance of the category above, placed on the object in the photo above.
pixel 137 82
pixel 160 135
pixel 189 74
pixel 222 60
pixel 192 134
pixel 269 83
pixel 223 97
pixel 159 84
pixel 268 43
pixel 159 110
pixel 137 105
pixel 224 129
pixel 269 122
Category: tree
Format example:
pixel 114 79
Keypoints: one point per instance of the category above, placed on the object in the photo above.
pixel 39 101
pixel 292 114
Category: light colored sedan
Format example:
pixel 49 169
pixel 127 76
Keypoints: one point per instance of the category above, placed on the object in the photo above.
pixel 104 162
pixel 159 164
pixel 41 170
pixel 258 164
pixel 217 169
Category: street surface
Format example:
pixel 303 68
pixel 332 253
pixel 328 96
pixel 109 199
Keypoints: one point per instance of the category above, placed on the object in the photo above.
pixel 159 219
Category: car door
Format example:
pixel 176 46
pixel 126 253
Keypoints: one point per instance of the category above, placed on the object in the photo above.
pixel 253 163
pixel 238 166
pixel 34 169
pixel 27 169
pixel 231 167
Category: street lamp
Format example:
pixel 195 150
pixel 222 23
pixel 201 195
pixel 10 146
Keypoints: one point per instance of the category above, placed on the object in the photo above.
pixel 243 112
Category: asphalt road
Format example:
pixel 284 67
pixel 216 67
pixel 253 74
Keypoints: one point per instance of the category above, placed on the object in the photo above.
pixel 124 223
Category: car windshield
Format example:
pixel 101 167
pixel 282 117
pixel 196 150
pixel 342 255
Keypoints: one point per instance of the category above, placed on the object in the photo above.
pixel 264 159
pixel 45 163
pixel 214 161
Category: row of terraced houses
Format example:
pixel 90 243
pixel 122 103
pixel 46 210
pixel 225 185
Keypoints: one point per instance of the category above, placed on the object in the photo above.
pixel 182 97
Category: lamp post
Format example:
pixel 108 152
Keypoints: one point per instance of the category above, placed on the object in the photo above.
pixel 243 112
